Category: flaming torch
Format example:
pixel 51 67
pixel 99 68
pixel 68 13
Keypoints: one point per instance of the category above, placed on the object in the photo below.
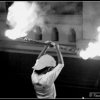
pixel 22 18
pixel 93 49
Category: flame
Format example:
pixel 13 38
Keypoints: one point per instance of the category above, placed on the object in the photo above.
pixel 93 48
pixel 22 17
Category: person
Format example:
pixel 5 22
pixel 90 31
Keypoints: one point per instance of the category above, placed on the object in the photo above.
pixel 45 72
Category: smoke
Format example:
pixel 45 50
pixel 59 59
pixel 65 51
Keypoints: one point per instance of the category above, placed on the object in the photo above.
pixel 61 8
pixel 91 19
pixel 91 28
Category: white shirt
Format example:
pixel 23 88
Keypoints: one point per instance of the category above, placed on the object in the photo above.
pixel 44 84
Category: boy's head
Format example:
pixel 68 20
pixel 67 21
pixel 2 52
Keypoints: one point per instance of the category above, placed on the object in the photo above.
pixel 45 61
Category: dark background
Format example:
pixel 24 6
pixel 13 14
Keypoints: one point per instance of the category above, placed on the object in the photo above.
pixel 77 79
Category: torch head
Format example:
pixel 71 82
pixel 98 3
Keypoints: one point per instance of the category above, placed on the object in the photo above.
pixel 44 61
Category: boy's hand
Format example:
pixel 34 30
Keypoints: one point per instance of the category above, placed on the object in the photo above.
pixel 52 44
pixel 57 46
pixel 48 42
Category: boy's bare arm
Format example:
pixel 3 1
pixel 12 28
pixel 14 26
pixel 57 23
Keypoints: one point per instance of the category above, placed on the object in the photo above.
pixel 44 49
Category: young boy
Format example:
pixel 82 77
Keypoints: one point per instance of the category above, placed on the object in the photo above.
pixel 45 72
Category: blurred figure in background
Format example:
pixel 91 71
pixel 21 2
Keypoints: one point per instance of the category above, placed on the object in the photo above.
pixel 45 72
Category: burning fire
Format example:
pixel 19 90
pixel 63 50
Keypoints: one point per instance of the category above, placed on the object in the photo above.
pixel 22 17
pixel 93 48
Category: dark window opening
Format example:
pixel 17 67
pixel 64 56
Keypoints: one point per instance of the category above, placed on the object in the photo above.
pixel 72 35
pixel 55 34
pixel 38 33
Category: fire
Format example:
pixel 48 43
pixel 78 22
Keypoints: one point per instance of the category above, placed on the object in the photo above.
pixel 92 50
pixel 22 17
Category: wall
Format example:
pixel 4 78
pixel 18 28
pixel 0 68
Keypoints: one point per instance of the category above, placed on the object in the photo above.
pixel 64 24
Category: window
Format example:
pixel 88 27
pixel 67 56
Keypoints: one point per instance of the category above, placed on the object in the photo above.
pixel 55 34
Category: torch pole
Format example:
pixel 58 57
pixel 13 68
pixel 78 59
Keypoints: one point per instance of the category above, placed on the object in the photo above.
pixel 68 47
pixel 33 41
pixel 42 43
